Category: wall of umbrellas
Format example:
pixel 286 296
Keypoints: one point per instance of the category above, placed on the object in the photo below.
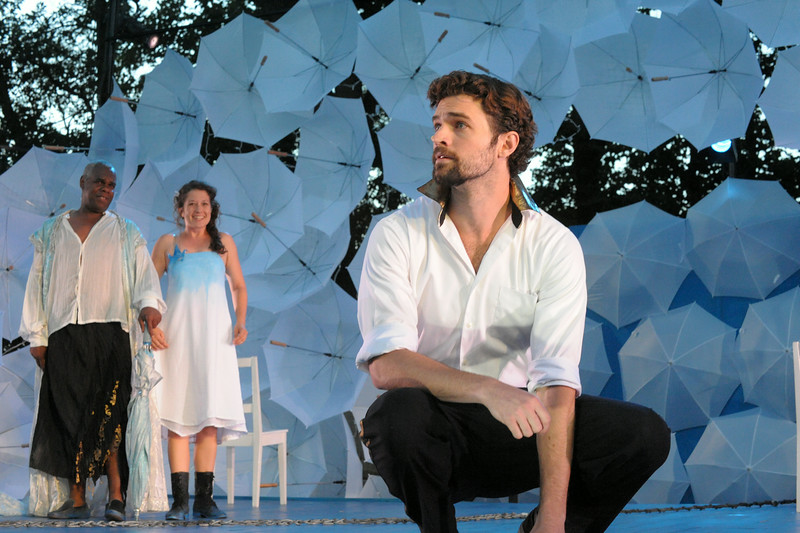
pixel 693 317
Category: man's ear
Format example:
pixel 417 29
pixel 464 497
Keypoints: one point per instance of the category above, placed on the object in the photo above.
pixel 508 142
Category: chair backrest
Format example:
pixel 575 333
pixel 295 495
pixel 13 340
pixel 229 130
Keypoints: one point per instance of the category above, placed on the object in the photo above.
pixel 254 405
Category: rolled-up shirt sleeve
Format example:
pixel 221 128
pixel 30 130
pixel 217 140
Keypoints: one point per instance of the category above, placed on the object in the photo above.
pixel 557 332
pixel 387 312
pixel 33 326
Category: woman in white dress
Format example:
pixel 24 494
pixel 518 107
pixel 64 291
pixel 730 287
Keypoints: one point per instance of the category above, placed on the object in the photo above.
pixel 200 393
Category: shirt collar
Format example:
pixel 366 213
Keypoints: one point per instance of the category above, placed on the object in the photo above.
pixel 520 199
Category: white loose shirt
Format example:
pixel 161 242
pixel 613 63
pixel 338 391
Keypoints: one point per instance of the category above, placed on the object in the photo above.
pixel 86 281
pixel 519 319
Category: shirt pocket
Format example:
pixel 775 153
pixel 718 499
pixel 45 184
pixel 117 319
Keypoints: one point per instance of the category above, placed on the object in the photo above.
pixel 513 318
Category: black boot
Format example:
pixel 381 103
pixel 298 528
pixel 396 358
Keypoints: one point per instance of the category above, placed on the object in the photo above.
pixel 180 496
pixel 204 506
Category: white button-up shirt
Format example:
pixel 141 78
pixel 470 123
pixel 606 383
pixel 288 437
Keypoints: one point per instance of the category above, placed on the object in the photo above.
pixel 86 281
pixel 519 319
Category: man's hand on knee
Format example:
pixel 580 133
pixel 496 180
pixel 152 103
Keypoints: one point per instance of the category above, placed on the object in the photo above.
pixel 519 410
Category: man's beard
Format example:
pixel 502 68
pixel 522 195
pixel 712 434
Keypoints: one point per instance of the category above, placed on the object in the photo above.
pixel 451 177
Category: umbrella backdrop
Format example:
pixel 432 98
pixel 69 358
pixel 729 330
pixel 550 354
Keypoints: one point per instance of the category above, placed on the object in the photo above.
pixel 258 83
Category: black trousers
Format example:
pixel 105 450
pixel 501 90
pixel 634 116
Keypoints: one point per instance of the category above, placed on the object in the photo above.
pixel 432 454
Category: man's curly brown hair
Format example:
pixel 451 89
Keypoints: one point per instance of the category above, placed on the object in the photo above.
pixel 507 108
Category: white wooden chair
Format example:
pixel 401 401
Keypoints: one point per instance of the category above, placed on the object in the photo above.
pixel 256 440
pixel 796 362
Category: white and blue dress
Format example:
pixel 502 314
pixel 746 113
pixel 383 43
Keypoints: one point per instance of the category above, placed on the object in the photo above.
pixel 200 385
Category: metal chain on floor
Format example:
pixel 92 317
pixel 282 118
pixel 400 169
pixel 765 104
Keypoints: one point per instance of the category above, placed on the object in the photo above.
pixel 34 523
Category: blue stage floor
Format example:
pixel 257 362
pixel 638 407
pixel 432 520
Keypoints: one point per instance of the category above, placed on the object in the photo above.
pixel 386 516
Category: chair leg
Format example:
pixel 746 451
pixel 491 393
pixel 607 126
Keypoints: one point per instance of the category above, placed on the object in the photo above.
pixel 282 471
pixel 230 467
pixel 257 455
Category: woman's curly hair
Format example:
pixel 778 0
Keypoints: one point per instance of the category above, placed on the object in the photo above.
pixel 507 108
pixel 211 227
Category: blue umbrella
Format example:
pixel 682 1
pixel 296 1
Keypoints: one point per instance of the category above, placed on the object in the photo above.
pixel 763 356
pixel 775 22
pixel 744 238
pixel 744 457
pixel 594 368
pixel 779 99
pixel 137 437
pixel 406 151
pixel 678 365
pixel 311 356
pixel 635 262
pixel 669 483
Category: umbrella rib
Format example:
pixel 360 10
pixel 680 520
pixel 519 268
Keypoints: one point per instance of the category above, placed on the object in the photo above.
pixel 284 345
pixel 294 43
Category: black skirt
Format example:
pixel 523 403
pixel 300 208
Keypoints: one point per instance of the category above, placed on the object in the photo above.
pixel 83 402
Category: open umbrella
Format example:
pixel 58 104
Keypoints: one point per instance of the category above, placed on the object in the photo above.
pixel 594 368
pixel 763 357
pixel 549 79
pixel 334 161
pixel 311 356
pixel 149 203
pixel 587 20
pixel 743 238
pixel 635 262
pixel 16 256
pixel 496 34
pixel 678 365
pixel 138 434
pixel 228 63
pixel 302 270
pixel 779 99
pixel 744 457
pixel 261 205
pixel 170 118
pixel 115 138
pixel 668 484
pixel 775 22
pixel 309 50
pixel 43 182
pixel 15 433
pixel 392 60
pixel 335 440
pixel 406 152
pixel 705 73
pixel 615 101
pixel 356 264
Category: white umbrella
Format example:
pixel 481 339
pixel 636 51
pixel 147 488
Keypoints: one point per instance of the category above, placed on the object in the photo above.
pixel 115 138
pixel 587 20
pixel 594 368
pixel 706 76
pixel 779 101
pixel 311 356
pixel 669 483
pixel 678 365
pixel 743 238
pixel 744 457
pixel 549 79
pixel 334 161
pixel 496 34
pixel 406 152
pixel 764 358
pixel 309 50
pixel 356 264
pixel 393 61
pixel 228 63
pixel 19 369
pixel 43 182
pixel 15 432
pixel 16 257
pixel 775 22
pixel 615 101
pixel 635 262
pixel 261 206
pixel 335 440
pixel 170 118
pixel 302 270
pixel 149 203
